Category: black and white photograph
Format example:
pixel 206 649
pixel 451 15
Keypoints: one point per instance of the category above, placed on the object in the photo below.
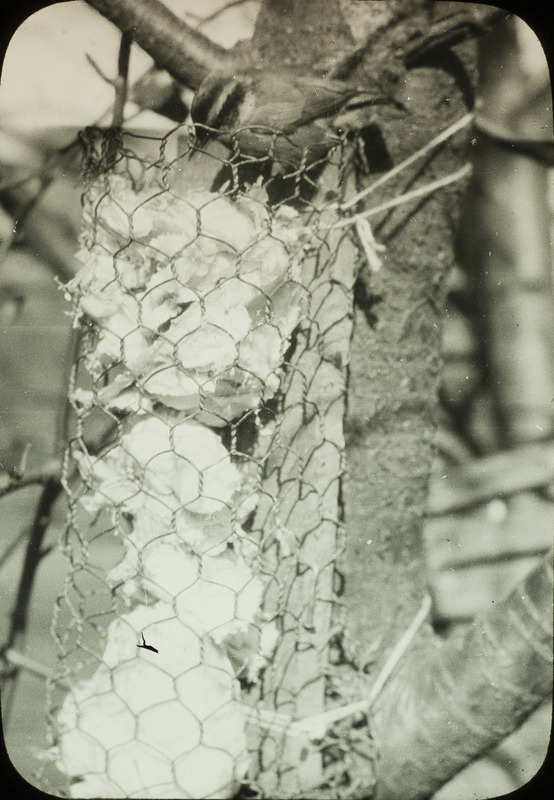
pixel 276 400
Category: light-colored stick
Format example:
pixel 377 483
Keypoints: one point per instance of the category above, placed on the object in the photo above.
pixel 442 137
pixel 405 198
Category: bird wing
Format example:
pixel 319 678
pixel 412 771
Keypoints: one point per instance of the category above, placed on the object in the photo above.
pixel 322 98
pixel 286 101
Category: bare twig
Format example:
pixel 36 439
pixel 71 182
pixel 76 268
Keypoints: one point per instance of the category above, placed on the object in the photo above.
pixel 99 71
pixel 12 482
pixel 211 17
pixel 14 658
pixel 33 555
pixel 17 659
pixel 184 52
pixel 49 476
pixel 121 82
pixel 120 85
pixel 51 470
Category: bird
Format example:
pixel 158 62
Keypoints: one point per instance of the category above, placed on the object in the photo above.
pixel 275 115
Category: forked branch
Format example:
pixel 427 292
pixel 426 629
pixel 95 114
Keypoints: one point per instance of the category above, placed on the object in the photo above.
pixel 185 53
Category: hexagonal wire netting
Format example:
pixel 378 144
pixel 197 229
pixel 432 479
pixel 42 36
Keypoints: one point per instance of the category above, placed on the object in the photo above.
pixel 203 469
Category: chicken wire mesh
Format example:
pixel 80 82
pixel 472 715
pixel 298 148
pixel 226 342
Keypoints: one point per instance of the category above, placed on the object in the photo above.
pixel 198 623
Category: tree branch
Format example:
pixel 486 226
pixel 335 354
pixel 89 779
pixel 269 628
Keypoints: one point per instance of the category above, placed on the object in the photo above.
pixel 121 82
pixel 186 54
pixel 12 482
pixel 33 554
pixel 499 475
pixel 448 706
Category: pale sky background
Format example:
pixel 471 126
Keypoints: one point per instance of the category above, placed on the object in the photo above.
pixel 48 84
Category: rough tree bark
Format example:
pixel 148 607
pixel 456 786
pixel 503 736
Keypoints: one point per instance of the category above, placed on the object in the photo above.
pixel 392 397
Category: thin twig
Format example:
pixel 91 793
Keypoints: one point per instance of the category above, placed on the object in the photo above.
pixel 122 80
pixel 21 661
pixel 184 52
pixel 51 469
pixel 214 15
pixel 33 555
pixel 98 69
pixel 10 482
pixel 17 659
pixel 120 85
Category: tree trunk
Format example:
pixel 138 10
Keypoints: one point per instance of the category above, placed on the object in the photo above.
pixel 395 362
